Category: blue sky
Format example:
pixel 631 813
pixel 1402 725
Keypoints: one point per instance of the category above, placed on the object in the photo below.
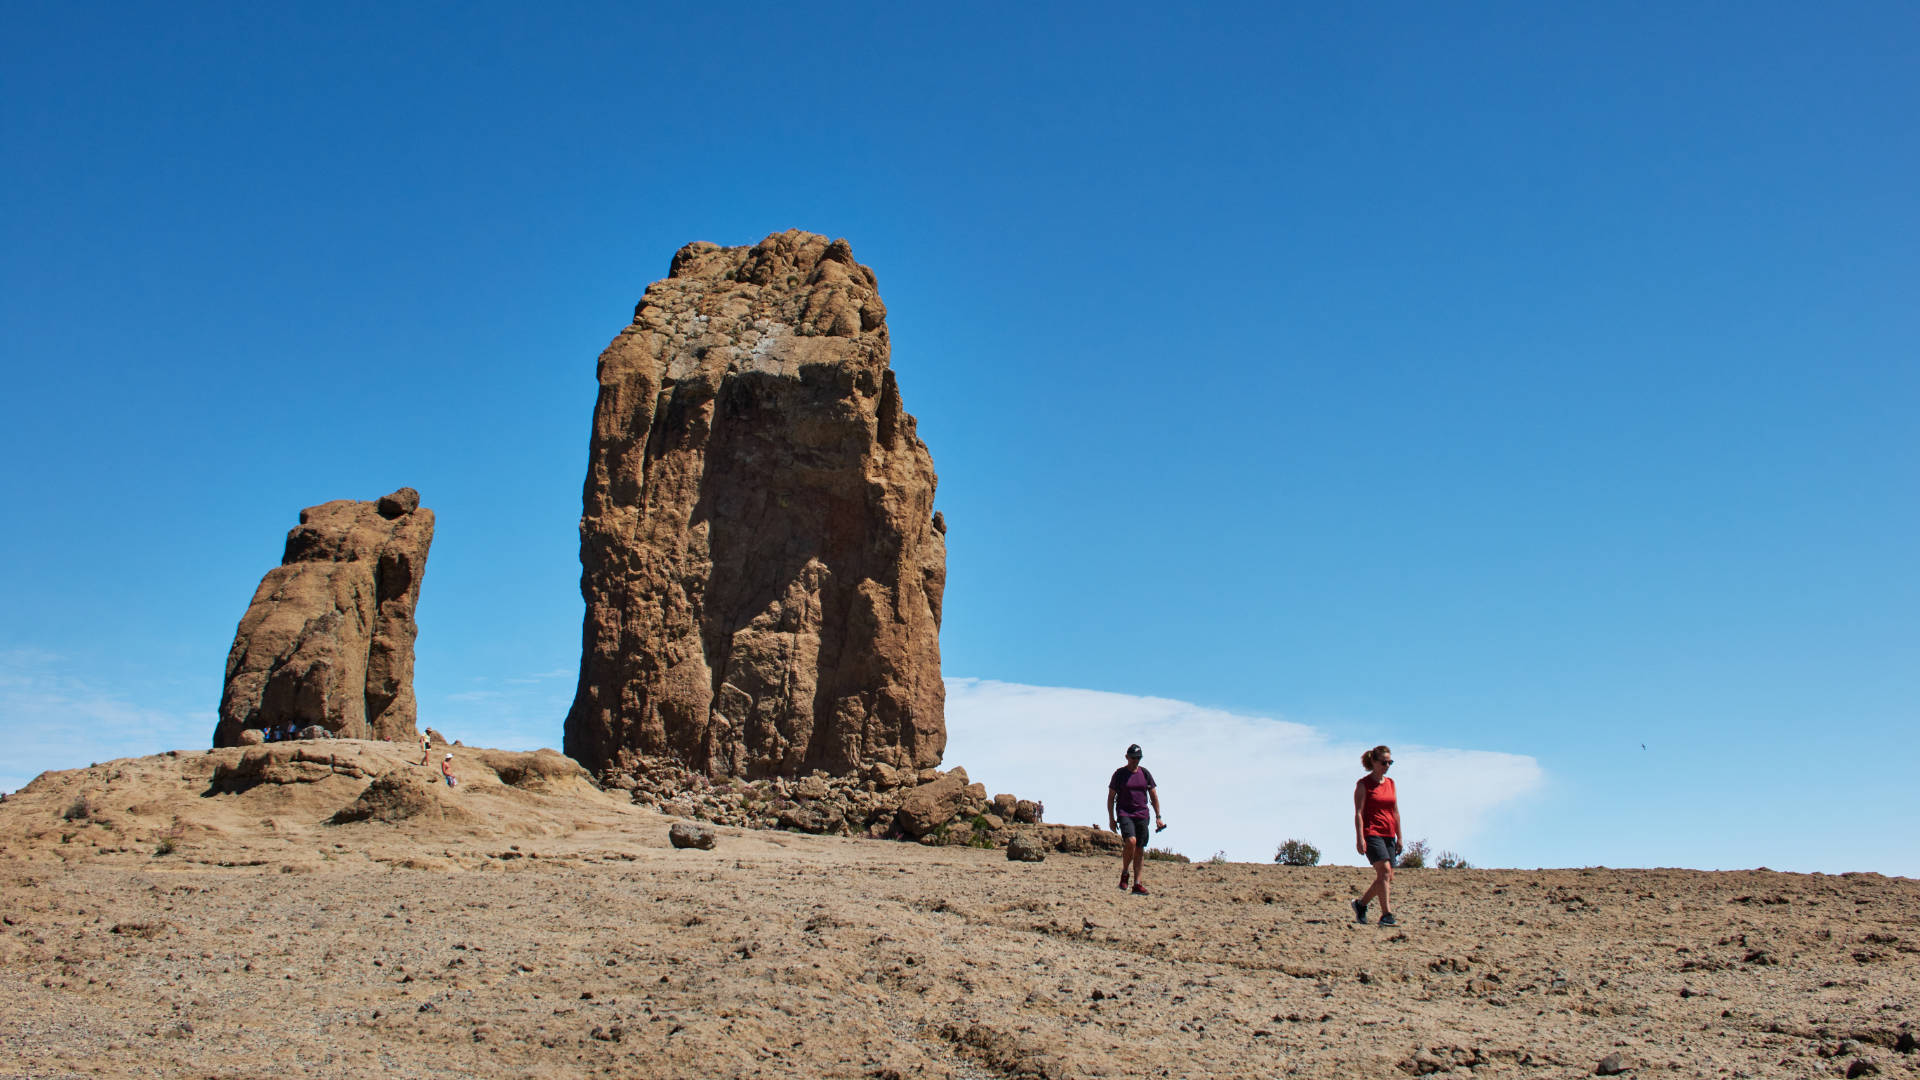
pixel 1529 381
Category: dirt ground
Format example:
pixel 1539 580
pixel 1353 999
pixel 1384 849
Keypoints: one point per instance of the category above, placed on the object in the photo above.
pixel 180 916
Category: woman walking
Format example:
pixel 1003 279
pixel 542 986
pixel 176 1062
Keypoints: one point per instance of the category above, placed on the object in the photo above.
pixel 1376 830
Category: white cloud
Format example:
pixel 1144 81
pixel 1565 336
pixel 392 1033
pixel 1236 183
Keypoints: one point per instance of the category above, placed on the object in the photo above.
pixel 1239 784
pixel 52 720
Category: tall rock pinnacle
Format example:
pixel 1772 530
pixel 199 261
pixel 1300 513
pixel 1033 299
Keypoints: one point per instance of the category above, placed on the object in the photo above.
pixel 759 555
pixel 328 638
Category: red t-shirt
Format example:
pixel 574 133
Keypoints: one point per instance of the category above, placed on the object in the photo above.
pixel 1380 814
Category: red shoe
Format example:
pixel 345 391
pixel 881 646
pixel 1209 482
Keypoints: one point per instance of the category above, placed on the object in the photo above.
pixel 1123 881
pixel 1139 889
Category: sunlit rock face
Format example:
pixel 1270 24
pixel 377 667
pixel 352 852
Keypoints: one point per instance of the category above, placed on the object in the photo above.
pixel 761 562
pixel 328 639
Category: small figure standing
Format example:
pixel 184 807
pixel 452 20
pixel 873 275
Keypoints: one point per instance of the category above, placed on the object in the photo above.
pixel 446 770
pixel 1128 794
pixel 426 748
pixel 1376 830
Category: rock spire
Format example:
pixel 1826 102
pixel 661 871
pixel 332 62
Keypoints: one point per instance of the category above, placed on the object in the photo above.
pixel 328 638
pixel 761 562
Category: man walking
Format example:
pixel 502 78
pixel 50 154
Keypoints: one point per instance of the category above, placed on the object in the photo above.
pixel 1128 795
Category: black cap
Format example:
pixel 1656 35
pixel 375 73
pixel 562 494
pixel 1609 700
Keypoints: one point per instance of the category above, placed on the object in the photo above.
pixel 1134 750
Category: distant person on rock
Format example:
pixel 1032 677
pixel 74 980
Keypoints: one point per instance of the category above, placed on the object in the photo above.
pixel 446 770
pixel 1128 794
pixel 1376 830
pixel 426 748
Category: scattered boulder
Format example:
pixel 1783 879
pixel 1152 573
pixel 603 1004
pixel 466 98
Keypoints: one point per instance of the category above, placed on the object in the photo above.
pixel 762 572
pixel 1024 847
pixel 314 731
pixel 1029 812
pixel 1612 1065
pixel 328 639
pixel 929 806
pixel 251 737
pixel 686 834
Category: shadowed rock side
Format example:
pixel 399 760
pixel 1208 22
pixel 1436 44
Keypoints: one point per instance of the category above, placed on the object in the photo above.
pixel 328 638
pixel 761 563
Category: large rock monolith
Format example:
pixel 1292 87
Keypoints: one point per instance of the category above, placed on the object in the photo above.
pixel 761 562
pixel 328 639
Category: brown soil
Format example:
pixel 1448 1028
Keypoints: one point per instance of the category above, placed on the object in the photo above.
pixel 197 915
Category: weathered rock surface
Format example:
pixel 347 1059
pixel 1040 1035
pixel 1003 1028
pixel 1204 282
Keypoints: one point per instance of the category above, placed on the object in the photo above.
pixel 761 563
pixel 328 639
pixel 401 796
pixel 688 835
pixel 1025 847
pixel 929 806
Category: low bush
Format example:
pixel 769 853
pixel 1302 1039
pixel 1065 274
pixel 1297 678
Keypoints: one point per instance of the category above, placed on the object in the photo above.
pixel 1160 854
pixel 1449 861
pixel 1297 853
pixel 1218 858
pixel 1415 857
pixel 982 832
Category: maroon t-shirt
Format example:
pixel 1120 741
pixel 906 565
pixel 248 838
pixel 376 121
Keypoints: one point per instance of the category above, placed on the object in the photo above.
pixel 1130 791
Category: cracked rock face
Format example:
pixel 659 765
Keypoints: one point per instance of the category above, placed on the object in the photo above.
pixel 328 638
pixel 761 563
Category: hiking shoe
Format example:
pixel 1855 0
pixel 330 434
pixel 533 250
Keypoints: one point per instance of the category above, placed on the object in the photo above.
pixel 1123 881
pixel 1389 920
pixel 1360 912
pixel 1139 889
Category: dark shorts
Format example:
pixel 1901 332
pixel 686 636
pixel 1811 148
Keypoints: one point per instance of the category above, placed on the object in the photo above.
pixel 1382 849
pixel 1135 828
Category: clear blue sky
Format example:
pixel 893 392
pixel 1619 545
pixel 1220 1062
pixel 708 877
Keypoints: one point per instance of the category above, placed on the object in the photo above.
pixel 1534 379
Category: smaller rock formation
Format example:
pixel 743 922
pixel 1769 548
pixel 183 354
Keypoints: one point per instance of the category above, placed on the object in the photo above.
pixel 328 640
pixel 687 835
pixel 1025 847
pixel 403 796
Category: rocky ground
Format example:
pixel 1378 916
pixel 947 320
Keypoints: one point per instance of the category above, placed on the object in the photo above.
pixel 197 915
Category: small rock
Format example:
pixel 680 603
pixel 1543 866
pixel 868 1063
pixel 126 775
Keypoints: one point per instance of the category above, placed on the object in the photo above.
pixel 1025 848
pixel 251 737
pixel 1611 1065
pixel 315 731
pixel 1862 1067
pixel 685 834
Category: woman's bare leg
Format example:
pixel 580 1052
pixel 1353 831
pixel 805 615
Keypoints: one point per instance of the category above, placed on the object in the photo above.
pixel 1382 877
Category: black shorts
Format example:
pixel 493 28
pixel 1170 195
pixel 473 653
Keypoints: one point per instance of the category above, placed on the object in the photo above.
pixel 1382 849
pixel 1135 828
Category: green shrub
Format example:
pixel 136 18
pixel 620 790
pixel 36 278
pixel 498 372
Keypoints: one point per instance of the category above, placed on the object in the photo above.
pixel 1449 861
pixel 165 847
pixel 982 833
pixel 1297 853
pixel 1218 858
pixel 1160 854
pixel 1415 857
